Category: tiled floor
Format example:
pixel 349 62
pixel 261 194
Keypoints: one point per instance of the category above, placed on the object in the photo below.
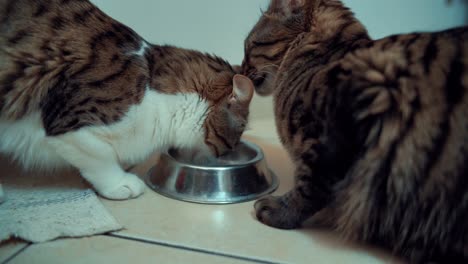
pixel 162 230
pixel 10 249
pixel 106 249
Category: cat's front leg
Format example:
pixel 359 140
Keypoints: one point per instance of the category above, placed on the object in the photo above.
pixel 98 164
pixel 310 194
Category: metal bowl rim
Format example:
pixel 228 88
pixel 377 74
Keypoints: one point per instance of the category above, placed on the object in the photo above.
pixel 259 156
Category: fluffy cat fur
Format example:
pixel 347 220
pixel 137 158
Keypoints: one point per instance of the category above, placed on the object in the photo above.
pixel 377 129
pixel 79 88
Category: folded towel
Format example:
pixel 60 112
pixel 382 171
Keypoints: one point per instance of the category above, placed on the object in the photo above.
pixel 43 215
pixel 40 208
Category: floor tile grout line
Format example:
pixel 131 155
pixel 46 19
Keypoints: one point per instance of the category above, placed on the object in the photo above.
pixel 198 250
pixel 10 258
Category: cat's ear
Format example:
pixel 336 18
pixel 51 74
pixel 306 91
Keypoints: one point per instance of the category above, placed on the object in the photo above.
pixel 286 7
pixel 242 89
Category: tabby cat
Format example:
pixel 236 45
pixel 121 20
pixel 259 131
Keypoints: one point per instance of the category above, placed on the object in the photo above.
pixel 79 88
pixel 377 129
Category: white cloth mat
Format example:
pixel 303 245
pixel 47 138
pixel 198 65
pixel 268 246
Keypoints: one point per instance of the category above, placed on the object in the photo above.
pixel 47 214
pixel 39 208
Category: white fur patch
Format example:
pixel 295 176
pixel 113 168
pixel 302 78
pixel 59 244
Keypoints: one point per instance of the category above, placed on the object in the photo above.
pixel 142 49
pixel 25 142
pixel 160 121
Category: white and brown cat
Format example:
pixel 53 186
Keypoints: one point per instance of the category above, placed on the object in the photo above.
pixel 79 88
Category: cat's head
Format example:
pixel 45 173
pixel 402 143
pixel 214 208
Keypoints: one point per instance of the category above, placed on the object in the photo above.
pixel 228 117
pixel 225 120
pixel 269 40
pixel 219 87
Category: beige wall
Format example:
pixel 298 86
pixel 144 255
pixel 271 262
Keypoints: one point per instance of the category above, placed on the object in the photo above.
pixel 220 26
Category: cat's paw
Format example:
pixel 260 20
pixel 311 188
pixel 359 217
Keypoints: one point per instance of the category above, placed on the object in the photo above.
pixel 130 186
pixel 274 212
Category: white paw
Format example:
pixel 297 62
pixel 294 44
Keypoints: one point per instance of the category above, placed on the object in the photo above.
pixel 130 186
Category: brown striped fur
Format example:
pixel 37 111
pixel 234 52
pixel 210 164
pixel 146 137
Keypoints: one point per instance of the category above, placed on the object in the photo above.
pixel 377 129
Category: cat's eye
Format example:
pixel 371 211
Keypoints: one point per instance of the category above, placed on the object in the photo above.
pixel 264 43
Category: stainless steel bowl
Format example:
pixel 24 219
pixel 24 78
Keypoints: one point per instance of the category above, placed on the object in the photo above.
pixel 241 175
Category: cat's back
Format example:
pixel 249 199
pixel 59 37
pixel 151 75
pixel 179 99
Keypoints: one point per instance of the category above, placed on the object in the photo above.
pixel 39 32
pixel 27 24
pixel 433 57
pixel 409 94
pixel 431 68
pixel 424 52
pixel 44 44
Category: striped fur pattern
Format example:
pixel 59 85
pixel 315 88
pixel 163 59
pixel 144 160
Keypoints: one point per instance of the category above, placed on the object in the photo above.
pixel 378 129
pixel 79 88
